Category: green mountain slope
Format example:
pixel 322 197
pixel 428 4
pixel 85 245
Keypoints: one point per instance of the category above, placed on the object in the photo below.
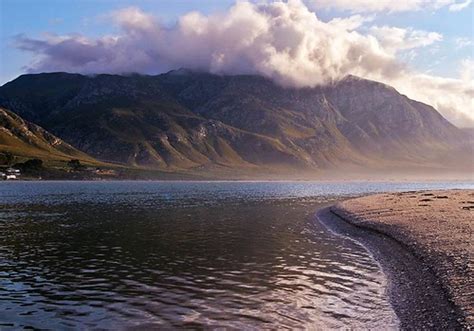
pixel 188 120
pixel 26 140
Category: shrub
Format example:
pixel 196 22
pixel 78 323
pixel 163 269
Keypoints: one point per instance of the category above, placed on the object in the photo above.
pixel 30 166
pixel 75 164
pixel 33 164
pixel 6 158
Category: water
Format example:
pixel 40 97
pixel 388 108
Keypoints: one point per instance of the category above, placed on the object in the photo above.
pixel 237 255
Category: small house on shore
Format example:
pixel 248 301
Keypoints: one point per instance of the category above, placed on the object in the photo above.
pixel 12 174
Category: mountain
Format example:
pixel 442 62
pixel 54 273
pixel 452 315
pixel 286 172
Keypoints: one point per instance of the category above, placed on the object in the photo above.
pixel 26 140
pixel 191 120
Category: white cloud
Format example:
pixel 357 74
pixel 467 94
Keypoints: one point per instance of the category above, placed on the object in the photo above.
pixel 396 39
pixel 350 23
pixel 283 41
pixel 460 5
pixel 364 6
pixel 466 70
pixel 462 42
pixel 452 97
pixel 133 19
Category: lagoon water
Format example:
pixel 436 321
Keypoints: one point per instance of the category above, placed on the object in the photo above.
pixel 237 255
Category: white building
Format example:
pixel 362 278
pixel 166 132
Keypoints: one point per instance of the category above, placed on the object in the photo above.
pixel 12 174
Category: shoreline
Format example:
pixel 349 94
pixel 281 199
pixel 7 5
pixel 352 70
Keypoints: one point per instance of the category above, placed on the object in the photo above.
pixel 470 182
pixel 415 292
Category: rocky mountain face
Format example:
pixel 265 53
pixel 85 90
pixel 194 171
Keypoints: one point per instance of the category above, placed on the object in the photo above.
pixel 28 140
pixel 190 120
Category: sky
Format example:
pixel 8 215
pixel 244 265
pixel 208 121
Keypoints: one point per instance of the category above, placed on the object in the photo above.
pixel 424 48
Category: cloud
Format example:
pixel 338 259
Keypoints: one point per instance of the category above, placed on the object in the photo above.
pixel 466 70
pixel 462 42
pixel 395 39
pixel 364 6
pixel 350 23
pixel 283 41
pixel 454 98
pixel 132 19
pixel 460 5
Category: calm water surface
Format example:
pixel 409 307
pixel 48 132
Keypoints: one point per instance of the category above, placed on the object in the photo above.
pixel 237 255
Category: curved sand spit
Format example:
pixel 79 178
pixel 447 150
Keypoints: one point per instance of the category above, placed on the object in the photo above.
pixel 435 226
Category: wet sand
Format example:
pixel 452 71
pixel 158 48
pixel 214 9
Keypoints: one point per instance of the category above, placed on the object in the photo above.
pixel 423 240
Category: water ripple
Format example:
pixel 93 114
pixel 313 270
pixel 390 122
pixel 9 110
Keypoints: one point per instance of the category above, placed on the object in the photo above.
pixel 176 255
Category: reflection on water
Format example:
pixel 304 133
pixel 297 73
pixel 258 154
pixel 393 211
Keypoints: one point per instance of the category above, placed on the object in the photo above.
pixel 154 254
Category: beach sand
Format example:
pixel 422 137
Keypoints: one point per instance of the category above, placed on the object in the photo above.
pixel 436 229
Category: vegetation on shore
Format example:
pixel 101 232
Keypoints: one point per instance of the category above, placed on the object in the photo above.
pixel 74 169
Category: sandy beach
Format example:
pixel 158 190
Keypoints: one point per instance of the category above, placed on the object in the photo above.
pixel 423 241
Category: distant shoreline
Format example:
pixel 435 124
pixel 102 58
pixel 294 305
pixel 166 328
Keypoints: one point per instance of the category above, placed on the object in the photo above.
pixel 270 180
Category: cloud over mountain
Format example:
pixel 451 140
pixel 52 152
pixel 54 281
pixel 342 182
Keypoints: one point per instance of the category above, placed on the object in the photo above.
pixel 284 41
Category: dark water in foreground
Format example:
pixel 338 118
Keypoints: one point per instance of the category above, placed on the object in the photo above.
pixel 242 255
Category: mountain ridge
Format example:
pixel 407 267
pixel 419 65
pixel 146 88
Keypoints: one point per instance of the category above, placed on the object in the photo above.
pixel 192 120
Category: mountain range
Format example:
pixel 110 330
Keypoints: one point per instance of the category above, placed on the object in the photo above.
pixel 192 121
